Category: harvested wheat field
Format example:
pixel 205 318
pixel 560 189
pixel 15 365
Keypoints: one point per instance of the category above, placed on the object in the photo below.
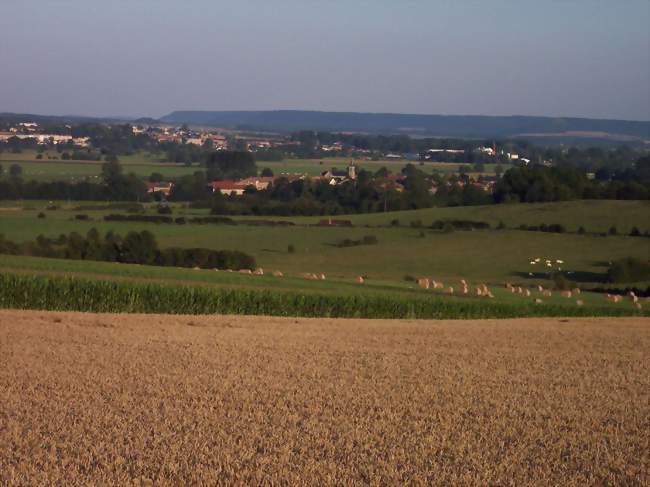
pixel 169 400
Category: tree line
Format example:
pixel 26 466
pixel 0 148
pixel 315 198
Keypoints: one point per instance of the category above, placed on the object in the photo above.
pixel 134 248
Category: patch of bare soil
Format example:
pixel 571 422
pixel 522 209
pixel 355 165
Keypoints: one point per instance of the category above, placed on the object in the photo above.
pixel 134 399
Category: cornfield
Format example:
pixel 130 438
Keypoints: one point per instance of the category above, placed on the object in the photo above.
pixel 74 294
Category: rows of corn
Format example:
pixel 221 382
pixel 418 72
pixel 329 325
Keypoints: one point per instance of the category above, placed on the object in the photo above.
pixel 77 294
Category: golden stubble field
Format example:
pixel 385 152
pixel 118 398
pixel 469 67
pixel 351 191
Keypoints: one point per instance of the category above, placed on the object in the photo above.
pixel 171 400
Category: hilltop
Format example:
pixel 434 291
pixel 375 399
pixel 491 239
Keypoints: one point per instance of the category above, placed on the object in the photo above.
pixel 431 125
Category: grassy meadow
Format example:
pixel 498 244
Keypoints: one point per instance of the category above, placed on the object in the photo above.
pixel 403 252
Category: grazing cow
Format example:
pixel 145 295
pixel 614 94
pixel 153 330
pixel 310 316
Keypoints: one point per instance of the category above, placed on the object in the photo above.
pixel 424 283
pixel 465 289
pixel 478 291
pixel 565 294
pixel 245 271
pixel 259 271
pixel 547 293
pixel 638 306
pixel 576 290
pixel 538 301
pixel 490 295
pixel 277 274
pixel 449 290
pixel 438 285
pixel 360 280
pixel 579 302
pixel 512 289
pixel 321 276
pixel 540 288
pixel 508 285
pixel 527 293
pixel 634 299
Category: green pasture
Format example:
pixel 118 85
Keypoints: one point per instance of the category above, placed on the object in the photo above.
pixel 81 170
pixel 493 256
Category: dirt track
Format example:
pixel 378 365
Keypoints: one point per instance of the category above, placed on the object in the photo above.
pixel 112 399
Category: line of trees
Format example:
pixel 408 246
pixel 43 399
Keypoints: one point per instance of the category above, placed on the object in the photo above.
pixel 134 248
pixel 538 183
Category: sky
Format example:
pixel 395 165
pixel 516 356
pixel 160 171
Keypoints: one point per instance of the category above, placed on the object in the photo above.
pixel 585 58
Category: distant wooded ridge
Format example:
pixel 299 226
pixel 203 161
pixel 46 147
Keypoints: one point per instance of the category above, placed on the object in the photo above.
pixel 431 125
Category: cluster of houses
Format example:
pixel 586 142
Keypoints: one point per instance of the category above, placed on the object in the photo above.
pixel 394 181
pixel 31 130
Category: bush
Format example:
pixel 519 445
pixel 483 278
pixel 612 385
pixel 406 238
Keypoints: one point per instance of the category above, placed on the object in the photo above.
pixel 447 228
pixel 369 240
pixel 561 282
pixel 291 249
pixel 635 232
pixel 612 231
pixel 581 230
pixel 460 225
pixel 629 269
pixel 394 222
pixel 366 240
pixel 82 217
pixel 41 215
pixel 164 210
pixel 416 223
pixel 501 225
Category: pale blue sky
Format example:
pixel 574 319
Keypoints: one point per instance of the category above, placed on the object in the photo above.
pixel 148 57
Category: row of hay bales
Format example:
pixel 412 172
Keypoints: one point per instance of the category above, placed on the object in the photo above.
pixel 573 293
pixel 481 290
pixel 547 293
pixel 255 272
pixel 632 298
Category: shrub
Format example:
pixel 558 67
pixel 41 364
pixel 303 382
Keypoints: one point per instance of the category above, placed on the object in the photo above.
pixel 41 215
pixel 581 230
pixel 164 210
pixel 612 231
pixel 365 240
pixel 501 225
pixel 460 225
pixel 561 282
pixel 394 222
pixel 416 223
pixel 291 249
pixel 635 232
pixel 447 228
pixel 82 217
pixel 629 269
